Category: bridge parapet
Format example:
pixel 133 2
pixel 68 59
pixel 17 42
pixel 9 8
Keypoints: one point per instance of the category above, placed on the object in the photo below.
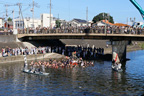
pixel 94 30
pixel 111 37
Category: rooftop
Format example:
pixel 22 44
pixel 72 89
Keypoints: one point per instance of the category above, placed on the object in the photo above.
pixel 116 24
pixel 80 20
pixel 1 18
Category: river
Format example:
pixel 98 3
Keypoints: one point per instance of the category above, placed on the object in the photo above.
pixel 91 81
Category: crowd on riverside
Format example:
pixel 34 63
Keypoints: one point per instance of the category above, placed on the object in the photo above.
pixel 40 66
pixel 84 52
pixel 85 29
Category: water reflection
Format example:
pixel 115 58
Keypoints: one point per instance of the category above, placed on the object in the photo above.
pixel 90 81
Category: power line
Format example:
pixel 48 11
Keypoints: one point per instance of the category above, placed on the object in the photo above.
pixel 26 9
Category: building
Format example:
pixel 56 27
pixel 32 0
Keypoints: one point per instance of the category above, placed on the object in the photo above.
pixel 1 22
pixel 8 25
pixel 63 23
pixel 79 22
pixel 103 23
pixel 99 23
pixel 27 23
pixel 107 23
pixel 45 20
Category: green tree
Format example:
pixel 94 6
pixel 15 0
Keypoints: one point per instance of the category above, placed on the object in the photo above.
pixel 9 19
pixel 103 16
pixel 58 23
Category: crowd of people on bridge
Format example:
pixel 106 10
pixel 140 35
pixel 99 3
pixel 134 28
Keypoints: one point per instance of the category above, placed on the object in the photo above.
pixel 84 29
pixel 84 52
pixel 6 32
pixel 81 29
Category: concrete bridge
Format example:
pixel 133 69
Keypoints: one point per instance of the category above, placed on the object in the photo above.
pixel 111 37
pixel 119 42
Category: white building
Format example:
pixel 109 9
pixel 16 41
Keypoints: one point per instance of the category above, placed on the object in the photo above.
pixel 45 20
pixel 27 23
pixel 79 22
pixel 1 22
pixel 100 23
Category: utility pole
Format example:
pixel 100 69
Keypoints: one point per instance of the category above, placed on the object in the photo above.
pixel 20 14
pixel 13 21
pixel 19 4
pixel 21 22
pixel 50 14
pixel 87 14
pixel 105 25
pixel 33 13
pixel 32 10
pixel 103 16
pixel 6 17
pixel 3 21
pixel 108 16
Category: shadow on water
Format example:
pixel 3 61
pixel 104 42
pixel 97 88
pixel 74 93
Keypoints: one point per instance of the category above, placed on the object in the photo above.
pixel 50 42
pixel 88 94
pixel 105 57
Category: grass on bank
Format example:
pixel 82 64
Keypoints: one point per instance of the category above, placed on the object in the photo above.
pixel 142 45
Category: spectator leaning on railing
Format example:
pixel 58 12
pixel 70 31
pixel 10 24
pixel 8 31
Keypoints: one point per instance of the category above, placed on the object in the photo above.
pixel 82 29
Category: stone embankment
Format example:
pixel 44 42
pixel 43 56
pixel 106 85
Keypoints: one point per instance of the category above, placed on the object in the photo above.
pixel 12 59
pixel 7 38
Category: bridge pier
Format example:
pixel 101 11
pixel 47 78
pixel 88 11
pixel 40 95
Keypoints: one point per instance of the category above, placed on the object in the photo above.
pixel 120 48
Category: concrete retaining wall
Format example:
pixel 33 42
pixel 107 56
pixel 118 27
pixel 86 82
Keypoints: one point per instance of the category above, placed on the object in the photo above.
pixel 30 57
pixel 7 38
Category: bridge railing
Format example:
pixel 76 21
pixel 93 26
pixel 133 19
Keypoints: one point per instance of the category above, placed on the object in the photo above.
pixel 6 33
pixel 94 30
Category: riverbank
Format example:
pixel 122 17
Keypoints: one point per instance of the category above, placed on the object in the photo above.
pixel 97 43
pixel 20 58
pixel 133 47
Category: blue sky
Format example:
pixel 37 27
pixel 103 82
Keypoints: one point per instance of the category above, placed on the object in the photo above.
pixel 69 9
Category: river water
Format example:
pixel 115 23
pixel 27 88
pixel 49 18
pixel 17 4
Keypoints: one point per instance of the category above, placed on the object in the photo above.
pixel 99 80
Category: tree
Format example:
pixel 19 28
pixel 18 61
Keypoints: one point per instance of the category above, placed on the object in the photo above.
pixel 9 19
pixel 58 23
pixel 103 16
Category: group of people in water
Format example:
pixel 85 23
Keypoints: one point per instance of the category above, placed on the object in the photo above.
pixel 68 62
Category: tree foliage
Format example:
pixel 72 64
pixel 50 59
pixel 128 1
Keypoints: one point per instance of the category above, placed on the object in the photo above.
pixel 9 19
pixel 58 23
pixel 103 16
